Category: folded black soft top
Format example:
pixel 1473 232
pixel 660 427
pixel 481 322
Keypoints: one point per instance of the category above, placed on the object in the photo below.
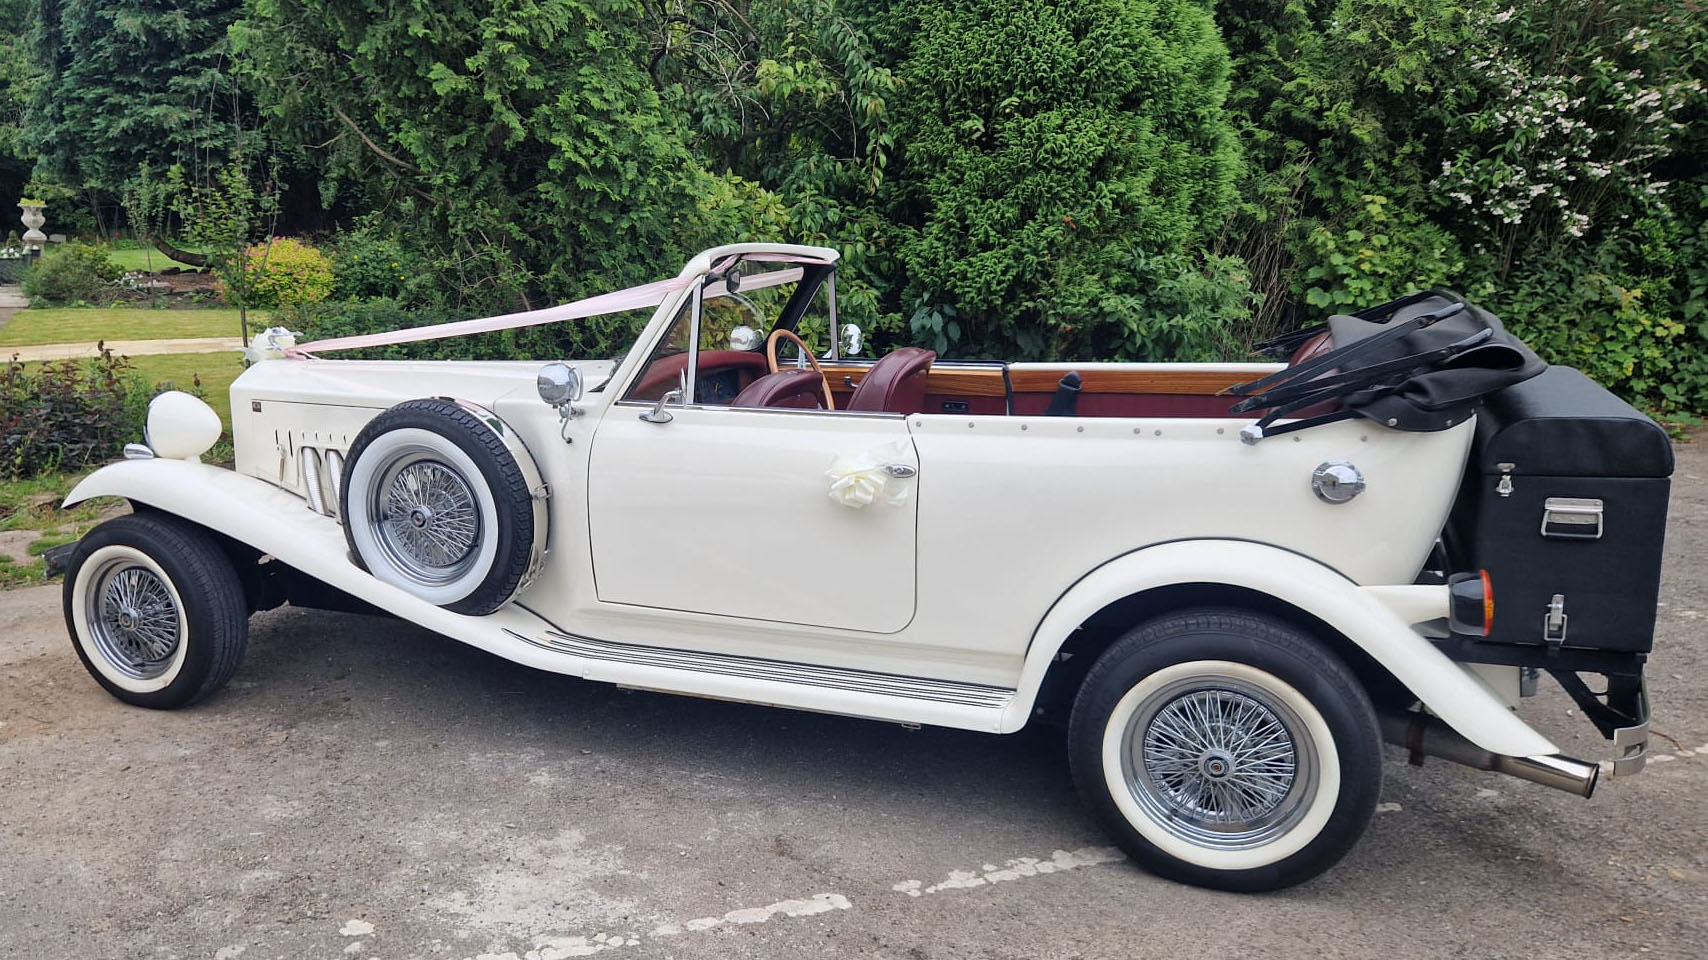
pixel 1419 363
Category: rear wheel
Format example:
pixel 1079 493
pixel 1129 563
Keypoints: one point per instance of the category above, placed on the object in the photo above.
pixel 155 610
pixel 1226 749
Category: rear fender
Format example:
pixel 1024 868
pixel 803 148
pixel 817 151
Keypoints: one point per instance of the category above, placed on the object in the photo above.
pixel 1377 619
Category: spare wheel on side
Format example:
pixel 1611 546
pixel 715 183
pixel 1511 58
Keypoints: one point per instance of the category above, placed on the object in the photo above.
pixel 439 499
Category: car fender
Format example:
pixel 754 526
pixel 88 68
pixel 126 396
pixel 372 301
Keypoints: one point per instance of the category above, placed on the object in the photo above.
pixel 280 524
pixel 1377 619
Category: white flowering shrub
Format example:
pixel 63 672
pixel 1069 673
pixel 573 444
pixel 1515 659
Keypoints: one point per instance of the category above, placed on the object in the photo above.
pixel 1549 158
pixel 1567 116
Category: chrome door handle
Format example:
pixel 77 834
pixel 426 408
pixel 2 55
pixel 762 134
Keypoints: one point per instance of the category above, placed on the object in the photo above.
pixel 901 471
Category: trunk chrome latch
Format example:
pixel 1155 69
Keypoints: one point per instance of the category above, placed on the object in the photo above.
pixel 1554 621
pixel 1504 487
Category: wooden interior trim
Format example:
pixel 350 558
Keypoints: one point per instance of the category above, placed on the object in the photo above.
pixel 1193 382
pixel 987 381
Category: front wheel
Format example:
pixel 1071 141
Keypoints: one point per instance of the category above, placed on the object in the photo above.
pixel 155 610
pixel 1227 749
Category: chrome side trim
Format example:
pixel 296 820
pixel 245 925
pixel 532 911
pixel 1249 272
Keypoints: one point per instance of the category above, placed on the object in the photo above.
pixel 308 459
pixel 781 671
pixel 779 411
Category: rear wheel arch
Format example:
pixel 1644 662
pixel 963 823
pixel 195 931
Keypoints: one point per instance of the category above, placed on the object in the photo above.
pixel 1097 633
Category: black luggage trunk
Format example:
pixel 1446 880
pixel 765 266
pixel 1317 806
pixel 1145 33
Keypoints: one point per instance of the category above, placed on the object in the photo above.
pixel 1564 504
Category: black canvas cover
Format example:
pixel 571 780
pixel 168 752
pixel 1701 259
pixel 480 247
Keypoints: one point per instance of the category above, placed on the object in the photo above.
pixel 1420 363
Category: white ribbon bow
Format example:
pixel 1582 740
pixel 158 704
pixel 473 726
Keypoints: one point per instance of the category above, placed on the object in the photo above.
pixel 863 479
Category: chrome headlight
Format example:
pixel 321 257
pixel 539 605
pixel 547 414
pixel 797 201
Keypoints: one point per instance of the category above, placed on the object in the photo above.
pixel 559 384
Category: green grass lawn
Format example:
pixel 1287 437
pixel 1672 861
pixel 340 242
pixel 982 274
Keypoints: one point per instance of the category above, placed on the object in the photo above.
pixel 82 324
pixel 33 506
pixel 135 259
pixel 216 371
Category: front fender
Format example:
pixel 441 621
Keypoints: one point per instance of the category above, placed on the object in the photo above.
pixel 279 523
pixel 1365 615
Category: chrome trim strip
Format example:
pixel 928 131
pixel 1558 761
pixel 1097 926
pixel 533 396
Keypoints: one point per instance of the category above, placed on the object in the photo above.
pixel 781 671
pixel 785 411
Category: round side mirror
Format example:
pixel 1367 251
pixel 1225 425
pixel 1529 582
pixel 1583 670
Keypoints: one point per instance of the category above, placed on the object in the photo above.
pixel 852 340
pixel 559 384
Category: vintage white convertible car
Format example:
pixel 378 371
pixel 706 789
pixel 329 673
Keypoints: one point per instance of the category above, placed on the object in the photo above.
pixel 1232 580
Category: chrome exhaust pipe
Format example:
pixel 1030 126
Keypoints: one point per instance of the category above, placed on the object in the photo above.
pixel 1423 735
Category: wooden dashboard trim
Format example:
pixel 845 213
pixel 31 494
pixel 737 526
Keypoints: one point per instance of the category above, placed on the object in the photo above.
pixel 987 381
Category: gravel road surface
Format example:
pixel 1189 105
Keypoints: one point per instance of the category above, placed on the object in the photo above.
pixel 366 789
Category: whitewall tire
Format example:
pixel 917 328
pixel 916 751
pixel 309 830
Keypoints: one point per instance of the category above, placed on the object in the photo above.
pixel 435 500
pixel 1227 749
pixel 155 610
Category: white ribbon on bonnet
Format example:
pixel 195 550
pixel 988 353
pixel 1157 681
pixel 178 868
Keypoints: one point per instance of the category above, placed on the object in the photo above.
pixel 860 480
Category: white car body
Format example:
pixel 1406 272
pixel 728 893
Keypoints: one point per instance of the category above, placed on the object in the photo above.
pixel 707 556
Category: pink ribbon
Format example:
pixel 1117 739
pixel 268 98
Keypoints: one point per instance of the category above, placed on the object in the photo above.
pixel 619 301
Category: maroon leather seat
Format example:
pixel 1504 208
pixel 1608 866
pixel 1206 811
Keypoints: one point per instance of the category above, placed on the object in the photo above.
pixel 1312 348
pixel 785 388
pixel 895 384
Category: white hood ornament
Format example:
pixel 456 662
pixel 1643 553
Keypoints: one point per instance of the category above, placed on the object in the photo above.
pixel 269 344
pixel 877 475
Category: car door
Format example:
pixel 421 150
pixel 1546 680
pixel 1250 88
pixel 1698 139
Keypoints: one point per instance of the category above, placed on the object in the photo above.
pixel 729 512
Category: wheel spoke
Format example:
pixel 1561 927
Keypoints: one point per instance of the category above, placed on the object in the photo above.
pixel 134 620
pixel 430 526
pixel 1217 764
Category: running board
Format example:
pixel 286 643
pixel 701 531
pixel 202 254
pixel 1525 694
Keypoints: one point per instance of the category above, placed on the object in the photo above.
pixel 840 690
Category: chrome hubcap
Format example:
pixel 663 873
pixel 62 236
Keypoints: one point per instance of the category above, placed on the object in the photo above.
pixel 426 518
pixel 133 619
pixel 1219 763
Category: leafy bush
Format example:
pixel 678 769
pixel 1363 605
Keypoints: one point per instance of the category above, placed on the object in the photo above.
pixel 369 263
pixel 281 273
pixel 1024 179
pixel 1190 310
pixel 1374 257
pixel 76 272
pixel 1047 147
pixel 68 414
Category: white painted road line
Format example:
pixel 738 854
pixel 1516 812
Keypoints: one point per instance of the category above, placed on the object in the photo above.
pixel 563 948
pixel 1015 869
pixel 1019 868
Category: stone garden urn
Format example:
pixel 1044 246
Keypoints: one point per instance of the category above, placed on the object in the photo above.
pixel 33 219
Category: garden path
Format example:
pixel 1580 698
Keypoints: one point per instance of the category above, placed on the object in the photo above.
pixel 12 300
pixel 126 348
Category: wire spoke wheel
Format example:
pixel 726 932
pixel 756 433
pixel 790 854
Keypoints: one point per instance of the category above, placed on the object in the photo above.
pixel 134 619
pixel 1219 763
pixel 426 518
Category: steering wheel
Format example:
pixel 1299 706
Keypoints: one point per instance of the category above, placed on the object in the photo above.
pixel 771 360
